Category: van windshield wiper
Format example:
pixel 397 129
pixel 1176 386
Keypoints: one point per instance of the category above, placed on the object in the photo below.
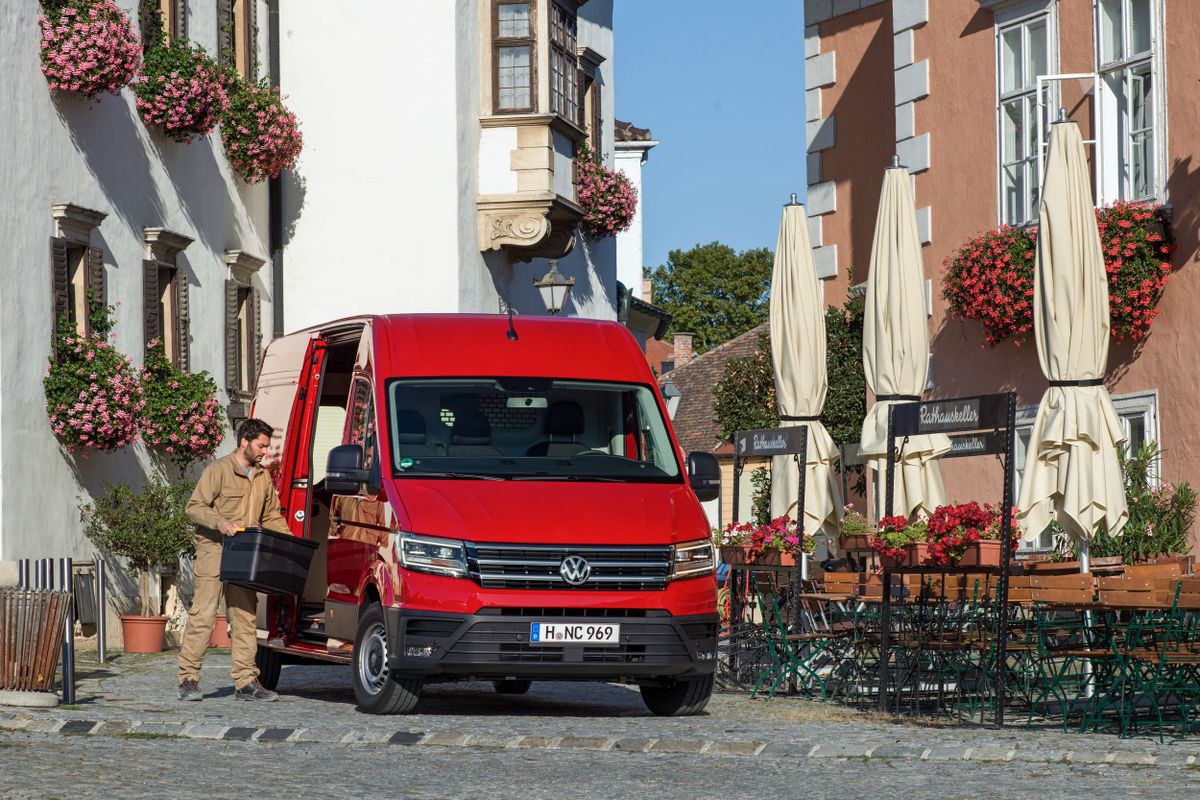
pixel 549 477
pixel 467 476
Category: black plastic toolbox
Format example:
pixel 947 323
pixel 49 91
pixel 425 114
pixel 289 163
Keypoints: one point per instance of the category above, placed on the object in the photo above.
pixel 266 561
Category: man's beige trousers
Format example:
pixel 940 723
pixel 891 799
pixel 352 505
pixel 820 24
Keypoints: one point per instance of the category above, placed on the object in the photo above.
pixel 241 606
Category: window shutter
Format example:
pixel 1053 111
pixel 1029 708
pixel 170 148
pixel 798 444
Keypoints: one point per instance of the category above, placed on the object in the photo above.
pixel 95 276
pixel 149 24
pixel 184 321
pixel 255 336
pixel 149 302
pixel 181 22
pixel 225 33
pixel 231 337
pixel 252 45
pixel 59 276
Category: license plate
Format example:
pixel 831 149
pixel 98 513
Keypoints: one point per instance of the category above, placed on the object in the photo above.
pixel 560 633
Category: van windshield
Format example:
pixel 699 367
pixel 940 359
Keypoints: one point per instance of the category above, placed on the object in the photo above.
pixel 528 429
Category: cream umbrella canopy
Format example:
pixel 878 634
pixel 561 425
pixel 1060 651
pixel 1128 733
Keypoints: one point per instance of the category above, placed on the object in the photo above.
pixel 896 349
pixel 1072 472
pixel 797 316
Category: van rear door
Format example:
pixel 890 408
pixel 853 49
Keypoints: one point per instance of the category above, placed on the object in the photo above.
pixel 295 471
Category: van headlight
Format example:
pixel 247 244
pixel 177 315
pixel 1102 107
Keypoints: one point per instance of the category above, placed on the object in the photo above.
pixel 435 556
pixel 692 559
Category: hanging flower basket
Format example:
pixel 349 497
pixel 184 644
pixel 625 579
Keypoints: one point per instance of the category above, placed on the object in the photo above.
pixel 990 278
pixel 262 137
pixel 180 89
pixel 93 397
pixel 183 417
pixel 608 198
pixel 88 47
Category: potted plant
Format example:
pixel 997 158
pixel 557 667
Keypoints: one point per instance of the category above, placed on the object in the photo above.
pixel 987 549
pixel 733 542
pixel 150 529
pixel 88 46
pixel 779 542
pixel 890 541
pixel 261 136
pixel 93 398
pixel 180 89
pixel 856 531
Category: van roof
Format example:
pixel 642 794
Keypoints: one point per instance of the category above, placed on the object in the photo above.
pixel 479 345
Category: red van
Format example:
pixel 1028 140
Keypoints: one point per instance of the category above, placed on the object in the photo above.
pixel 494 498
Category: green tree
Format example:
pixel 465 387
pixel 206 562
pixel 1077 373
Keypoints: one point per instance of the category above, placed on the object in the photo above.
pixel 713 291
pixel 744 398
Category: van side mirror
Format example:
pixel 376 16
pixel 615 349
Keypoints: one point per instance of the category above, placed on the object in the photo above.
pixel 704 475
pixel 344 471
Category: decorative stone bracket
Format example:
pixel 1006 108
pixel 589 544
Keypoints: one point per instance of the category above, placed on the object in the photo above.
pixel 531 226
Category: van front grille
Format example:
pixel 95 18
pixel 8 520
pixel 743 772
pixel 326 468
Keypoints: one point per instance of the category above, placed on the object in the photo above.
pixel 517 566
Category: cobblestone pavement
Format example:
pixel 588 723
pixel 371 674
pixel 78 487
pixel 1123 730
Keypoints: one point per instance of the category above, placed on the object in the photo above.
pixel 597 739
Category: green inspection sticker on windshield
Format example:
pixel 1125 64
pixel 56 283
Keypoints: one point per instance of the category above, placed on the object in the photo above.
pixel 405 463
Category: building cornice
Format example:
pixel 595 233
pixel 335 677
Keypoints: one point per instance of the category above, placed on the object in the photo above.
pixel 75 223
pixel 242 265
pixel 163 245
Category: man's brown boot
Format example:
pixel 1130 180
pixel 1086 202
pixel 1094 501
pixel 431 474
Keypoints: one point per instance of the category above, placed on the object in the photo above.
pixel 190 690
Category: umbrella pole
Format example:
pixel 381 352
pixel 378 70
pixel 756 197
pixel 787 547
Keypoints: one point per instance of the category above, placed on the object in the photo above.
pixel 1085 564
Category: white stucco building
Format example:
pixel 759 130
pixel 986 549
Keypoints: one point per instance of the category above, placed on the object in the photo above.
pixel 632 147
pixel 438 162
pixel 93 198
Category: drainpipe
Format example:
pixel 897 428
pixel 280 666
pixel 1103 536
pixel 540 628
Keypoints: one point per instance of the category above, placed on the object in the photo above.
pixel 275 188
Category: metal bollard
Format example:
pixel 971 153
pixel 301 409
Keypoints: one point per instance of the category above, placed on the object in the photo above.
pixel 101 612
pixel 23 573
pixel 65 568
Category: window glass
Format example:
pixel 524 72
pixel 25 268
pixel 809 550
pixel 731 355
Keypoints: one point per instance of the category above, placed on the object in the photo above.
pixel 1141 133
pixel 513 21
pixel 514 74
pixel 1139 27
pixel 1010 60
pixel 529 429
pixel 1036 58
pixel 1110 30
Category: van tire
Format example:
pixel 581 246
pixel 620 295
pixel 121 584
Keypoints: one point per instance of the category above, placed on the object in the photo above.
pixel 269 663
pixel 680 698
pixel 512 686
pixel 375 688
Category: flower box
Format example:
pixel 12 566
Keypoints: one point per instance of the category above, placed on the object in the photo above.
pixel 984 553
pixel 891 563
pixel 917 554
pixel 742 555
pixel 856 541
pixel 735 554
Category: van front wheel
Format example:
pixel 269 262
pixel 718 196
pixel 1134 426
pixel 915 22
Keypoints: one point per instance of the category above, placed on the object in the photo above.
pixel 375 688
pixel 680 698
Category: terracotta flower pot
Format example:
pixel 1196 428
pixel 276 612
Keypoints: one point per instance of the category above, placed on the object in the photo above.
pixel 220 634
pixel 143 634
pixel 888 563
pixel 735 554
pixel 984 553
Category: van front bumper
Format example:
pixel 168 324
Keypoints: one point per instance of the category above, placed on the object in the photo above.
pixel 494 644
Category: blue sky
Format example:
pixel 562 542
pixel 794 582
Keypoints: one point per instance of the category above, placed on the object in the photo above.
pixel 721 85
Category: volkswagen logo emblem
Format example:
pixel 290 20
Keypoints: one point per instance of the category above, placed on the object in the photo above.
pixel 575 570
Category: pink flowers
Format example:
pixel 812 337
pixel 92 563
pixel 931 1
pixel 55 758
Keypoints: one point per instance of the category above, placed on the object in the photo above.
pixel 88 47
pixel 182 416
pixel 182 90
pixel 608 198
pixel 261 136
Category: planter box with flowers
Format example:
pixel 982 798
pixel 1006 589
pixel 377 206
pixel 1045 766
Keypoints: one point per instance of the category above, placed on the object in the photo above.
pixel 773 544
pixel 968 534
pixel 856 531
pixel 261 136
pixel 608 198
pixel 990 278
pixel 88 46
pixel 181 89
pixel 891 540
pixel 93 398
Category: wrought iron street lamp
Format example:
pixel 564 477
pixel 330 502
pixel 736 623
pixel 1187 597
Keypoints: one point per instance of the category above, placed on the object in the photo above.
pixel 554 288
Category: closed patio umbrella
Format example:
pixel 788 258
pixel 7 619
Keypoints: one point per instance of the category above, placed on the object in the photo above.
pixel 896 350
pixel 1072 472
pixel 801 381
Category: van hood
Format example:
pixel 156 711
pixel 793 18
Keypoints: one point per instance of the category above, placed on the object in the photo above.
pixel 549 512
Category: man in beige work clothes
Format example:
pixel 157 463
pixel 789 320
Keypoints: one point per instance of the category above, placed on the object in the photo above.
pixel 234 492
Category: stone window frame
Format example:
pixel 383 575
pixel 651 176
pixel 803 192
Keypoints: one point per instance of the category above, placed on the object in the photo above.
pixel 166 291
pixel 76 266
pixel 243 330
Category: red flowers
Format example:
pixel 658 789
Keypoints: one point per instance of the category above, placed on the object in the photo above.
pixel 778 534
pixel 953 527
pixel 990 279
